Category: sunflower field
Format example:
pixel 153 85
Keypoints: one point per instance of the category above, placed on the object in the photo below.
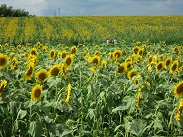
pixel 59 77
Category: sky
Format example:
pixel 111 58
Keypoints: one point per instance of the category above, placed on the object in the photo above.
pixel 97 7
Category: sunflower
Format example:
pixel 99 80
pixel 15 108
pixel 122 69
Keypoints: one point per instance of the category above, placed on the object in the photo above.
pixel 69 61
pixel 63 70
pixel 141 51
pixel 3 61
pixel 73 50
pixel 160 66
pixel 44 48
pixel 104 63
pixel 178 89
pixel 33 51
pixel 14 64
pixel 68 93
pixel 55 70
pixel 92 69
pixel 117 54
pixel 62 54
pixel 138 99
pixel 52 53
pixel 38 43
pixel 111 54
pixel 95 60
pixel 29 71
pixel 136 49
pixel 121 69
pixel 168 62
pixel 131 73
pixel 2 86
pixel 36 92
pixel 41 75
pixel 128 64
pixel 150 59
pixel 128 59
pixel 179 110
pixel 97 53
pixel 174 67
pixel 176 50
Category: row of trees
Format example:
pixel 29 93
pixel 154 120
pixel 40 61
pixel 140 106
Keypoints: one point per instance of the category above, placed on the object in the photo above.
pixel 10 12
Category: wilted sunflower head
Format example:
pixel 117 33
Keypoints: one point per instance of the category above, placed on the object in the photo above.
pixel 174 67
pixel 160 66
pixel 168 62
pixel 69 61
pixel 178 89
pixel 41 75
pixel 73 50
pixel 117 54
pixel 131 73
pixel 36 93
pixel 95 60
pixel 52 53
pixel 34 52
pixel 121 69
pixel 3 61
pixel 55 70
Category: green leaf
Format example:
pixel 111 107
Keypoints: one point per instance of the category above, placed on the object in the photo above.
pixel 66 132
pixel 21 114
pixel 35 129
pixel 120 108
pixel 117 128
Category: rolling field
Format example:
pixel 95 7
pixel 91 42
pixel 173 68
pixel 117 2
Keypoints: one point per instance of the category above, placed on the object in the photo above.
pixel 59 77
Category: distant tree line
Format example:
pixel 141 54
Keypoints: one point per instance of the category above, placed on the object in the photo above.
pixel 10 12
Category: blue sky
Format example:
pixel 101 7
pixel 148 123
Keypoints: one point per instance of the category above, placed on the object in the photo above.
pixel 98 7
